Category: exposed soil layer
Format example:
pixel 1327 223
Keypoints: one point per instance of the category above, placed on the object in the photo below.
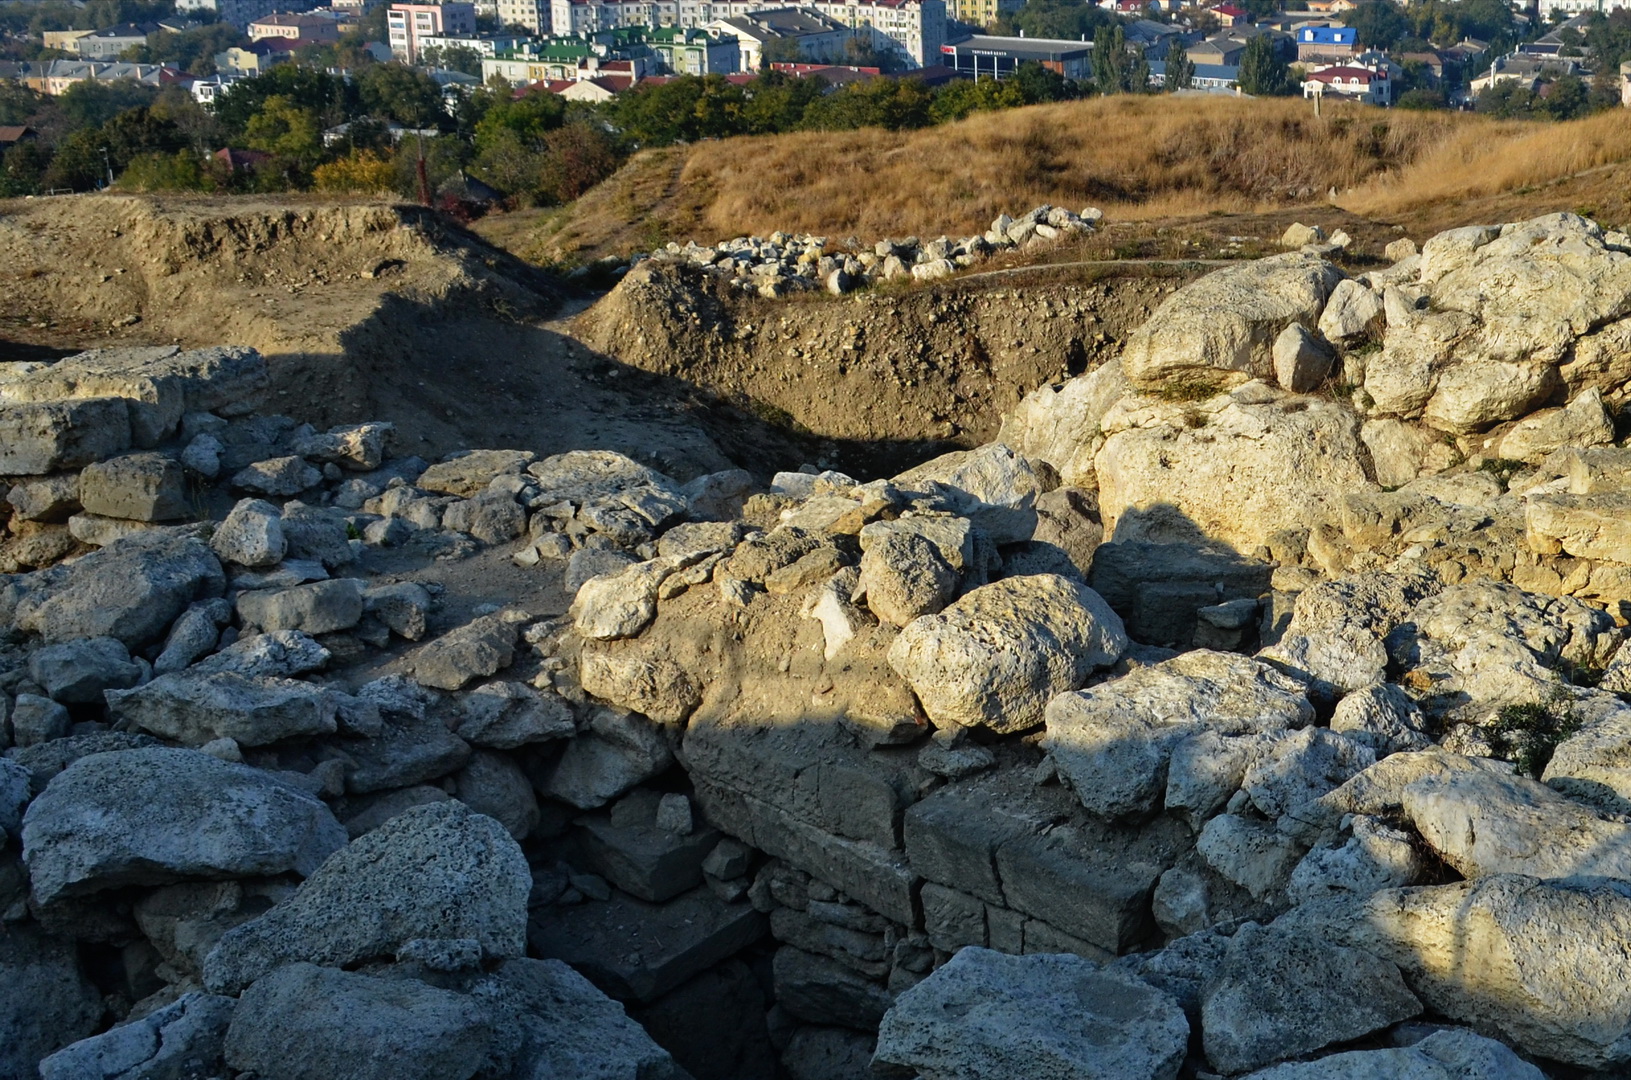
pixel 888 374
pixel 363 310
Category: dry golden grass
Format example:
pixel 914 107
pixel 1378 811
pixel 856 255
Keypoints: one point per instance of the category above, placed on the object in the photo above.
pixel 1496 158
pixel 1226 162
pixel 1133 157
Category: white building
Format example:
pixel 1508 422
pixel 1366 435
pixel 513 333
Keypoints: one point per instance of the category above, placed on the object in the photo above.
pixel 206 91
pixel 1571 8
pixel 817 38
pixel 1529 71
pixel 913 29
pixel 1367 84
pixel 533 15
pixel 240 13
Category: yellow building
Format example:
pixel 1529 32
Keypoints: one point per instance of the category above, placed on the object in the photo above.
pixel 981 12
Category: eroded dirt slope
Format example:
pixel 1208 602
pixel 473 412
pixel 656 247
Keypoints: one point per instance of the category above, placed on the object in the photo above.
pixel 906 370
pixel 362 309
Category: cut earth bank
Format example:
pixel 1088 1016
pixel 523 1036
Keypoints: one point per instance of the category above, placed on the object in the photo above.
pixel 1251 707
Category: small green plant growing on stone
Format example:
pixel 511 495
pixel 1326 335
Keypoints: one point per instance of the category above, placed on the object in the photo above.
pixel 1503 469
pixel 1527 735
pixel 1186 388
pixel 352 532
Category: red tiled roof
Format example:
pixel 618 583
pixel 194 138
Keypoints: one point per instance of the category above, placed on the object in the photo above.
pixel 1346 74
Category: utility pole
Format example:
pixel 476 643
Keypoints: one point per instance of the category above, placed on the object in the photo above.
pixel 424 180
pixel 108 165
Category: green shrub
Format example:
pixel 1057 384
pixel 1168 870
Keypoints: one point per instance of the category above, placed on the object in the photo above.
pixel 1187 388
pixel 1528 734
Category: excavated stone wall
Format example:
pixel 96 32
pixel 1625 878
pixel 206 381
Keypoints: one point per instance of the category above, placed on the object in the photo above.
pixel 1212 723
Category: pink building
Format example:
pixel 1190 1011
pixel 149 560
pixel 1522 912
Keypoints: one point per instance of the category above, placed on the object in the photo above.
pixel 408 23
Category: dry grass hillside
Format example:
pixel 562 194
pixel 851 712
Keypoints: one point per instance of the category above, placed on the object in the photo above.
pixel 1138 158
pixel 1510 168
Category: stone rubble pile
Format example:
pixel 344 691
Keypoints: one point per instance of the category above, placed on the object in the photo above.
pixel 1080 754
pixel 784 262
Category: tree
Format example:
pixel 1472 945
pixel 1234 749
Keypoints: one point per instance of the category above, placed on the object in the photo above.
pixel 1114 68
pixel 861 52
pixel 22 168
pixel 781 50
pixel 1421 98
pixel 1038 84
pixel 325 96
pixel 285 129
pixel 192 50
pixel 1379 23
pixel 401 93
pixel 776 102
pixel 1565 99
pixel 579 156
pixel 1069 20
pixel 361 171
pixel 1262 71
pixel 528 118
pixel 91 104
pixel 1505 99
pixel 182 170
pixel 453 58
pixel 958 99
pixel 77 163
pixel 19 104
pixel 1180 69
pixel 893 104
pixel 140 131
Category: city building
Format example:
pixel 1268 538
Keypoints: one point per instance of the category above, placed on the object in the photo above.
pixel 1326 42
pixel 239 13
pixel 695 52
pixel 1220 50
pixel 1369 85
pixel 484 44
pixel 912 29
pixel 785 32
pixel 571 59
pixel 59 75
pixel 983 56
pixel 64 39
pixel 206 91
pixel 1207 79
pixel 1528 71
pixel 406 24
pixel 109 43
pixel 1578 7
pixel 306 29
pixel 982 12
pixel 531 15
pixel 257 59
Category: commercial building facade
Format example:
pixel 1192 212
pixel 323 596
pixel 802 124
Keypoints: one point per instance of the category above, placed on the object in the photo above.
pixel 985 56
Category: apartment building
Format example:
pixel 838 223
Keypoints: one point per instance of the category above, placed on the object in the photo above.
pixel 982 12
pixel 240 13
pixel 533 15
pixel 407 24
pixel 306 29
pixel 913 29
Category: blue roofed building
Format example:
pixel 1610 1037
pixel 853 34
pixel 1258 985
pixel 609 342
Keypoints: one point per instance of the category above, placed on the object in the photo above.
pixel 1208 78
pixel 1326 42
